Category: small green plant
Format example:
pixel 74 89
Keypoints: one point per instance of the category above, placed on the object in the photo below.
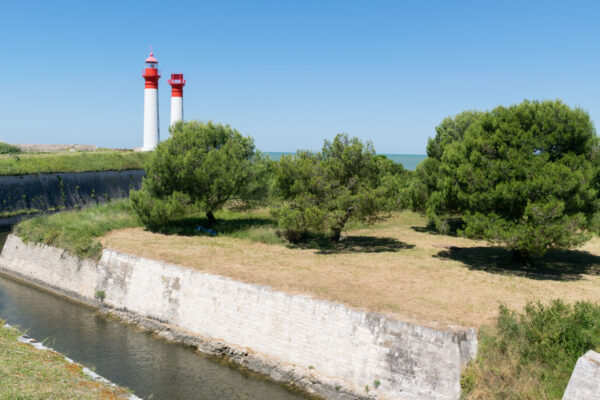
pixel 367 388
pixel 376 383
pixel 337 388
pixel 100 295
pixel 311 367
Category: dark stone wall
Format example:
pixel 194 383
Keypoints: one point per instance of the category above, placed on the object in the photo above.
pixel 49 192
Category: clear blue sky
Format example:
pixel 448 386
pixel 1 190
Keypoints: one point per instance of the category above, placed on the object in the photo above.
pixel 289 73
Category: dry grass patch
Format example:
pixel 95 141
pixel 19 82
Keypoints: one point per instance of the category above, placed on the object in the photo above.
pixel 395 267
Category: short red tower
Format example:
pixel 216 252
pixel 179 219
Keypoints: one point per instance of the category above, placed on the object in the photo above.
pixel 177 83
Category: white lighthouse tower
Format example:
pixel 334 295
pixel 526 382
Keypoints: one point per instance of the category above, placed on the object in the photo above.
pixel 151 131
pixel 177 83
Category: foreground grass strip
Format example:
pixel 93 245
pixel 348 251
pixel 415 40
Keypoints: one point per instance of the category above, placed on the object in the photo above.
pixel 77 231
pixel 28 373
pixel 532 355
pixel 22 164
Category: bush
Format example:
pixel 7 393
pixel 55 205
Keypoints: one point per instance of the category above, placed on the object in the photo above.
pixel 203 165
pixel 155 212
pixel 323 191
pixel 532 355
pixel 520 176
pixel 425 179
pixel 6 148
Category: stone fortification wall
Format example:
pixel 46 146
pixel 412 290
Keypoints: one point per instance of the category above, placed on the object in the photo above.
pixel 65 190
pixel 585 380
pixel 338 350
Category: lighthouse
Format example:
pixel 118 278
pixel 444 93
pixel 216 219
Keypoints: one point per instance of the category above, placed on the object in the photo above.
pixel 177 83
pixel 151 131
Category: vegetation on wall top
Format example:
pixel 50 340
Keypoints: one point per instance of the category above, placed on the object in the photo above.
pixel 26 163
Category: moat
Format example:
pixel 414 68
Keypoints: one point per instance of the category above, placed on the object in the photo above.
pixel 151 367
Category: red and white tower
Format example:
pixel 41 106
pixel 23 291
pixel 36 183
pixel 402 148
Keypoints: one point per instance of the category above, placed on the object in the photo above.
pixel 177 83
pixel 151 130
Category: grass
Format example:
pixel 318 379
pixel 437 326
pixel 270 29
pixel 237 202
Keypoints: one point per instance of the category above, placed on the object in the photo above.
pixel 77 231
pixel 38 163
pixel 395 266
pixel 532 355
pixel 28 373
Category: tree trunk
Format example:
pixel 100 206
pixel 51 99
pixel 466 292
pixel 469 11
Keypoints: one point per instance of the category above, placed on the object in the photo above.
pixel 336 231
pixel 211 218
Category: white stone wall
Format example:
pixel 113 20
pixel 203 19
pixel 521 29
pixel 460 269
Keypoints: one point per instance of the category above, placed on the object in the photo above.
pixel 50 266
pixel 585 380
pixel 335 343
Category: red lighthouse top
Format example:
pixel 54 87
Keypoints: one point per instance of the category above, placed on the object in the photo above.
pixel 151 73
pixel 151 59
pixel 177 83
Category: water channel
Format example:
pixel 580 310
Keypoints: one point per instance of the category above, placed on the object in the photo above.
pixel 151 367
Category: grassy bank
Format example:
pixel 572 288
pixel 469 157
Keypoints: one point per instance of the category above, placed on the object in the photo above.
pixel 77 231
pixel 396 266
pixel 28 373
pixel 32 163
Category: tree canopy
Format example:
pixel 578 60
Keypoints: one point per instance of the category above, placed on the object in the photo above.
pixel 204 164
pixel 323 191
pixel 520 175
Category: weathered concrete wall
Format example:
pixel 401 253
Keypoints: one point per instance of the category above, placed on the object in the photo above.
pixel 339 349
pixel 65 190
pixel 50 267
pixel 585 380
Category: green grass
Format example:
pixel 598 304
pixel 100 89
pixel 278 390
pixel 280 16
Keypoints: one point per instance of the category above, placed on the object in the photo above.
pixel 28 373
pixel 37 163
pixel 8 214
pixel 532 355
pixel 77 231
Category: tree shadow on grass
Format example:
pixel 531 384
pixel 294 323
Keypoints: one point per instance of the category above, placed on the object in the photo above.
pixel 560 265
pixel 188 226
pixel 352 244
pixel 454 225
pixel 321 242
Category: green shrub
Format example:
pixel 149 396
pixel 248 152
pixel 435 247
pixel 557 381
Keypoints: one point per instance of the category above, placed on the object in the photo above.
pixel 208 163
pixel 6 148
pixel 532 355
pixel 323 191
pixel 155 212
pixel 520 176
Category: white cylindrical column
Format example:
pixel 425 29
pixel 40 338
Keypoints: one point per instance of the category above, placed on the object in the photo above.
pixel 177 83
pixel 176 109
pixel 151 127
pixel 151 122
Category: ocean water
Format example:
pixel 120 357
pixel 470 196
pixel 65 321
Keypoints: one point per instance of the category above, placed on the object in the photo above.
pixel 408 161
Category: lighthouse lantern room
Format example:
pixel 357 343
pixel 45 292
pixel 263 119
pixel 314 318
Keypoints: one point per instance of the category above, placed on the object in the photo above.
pixel 151 128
